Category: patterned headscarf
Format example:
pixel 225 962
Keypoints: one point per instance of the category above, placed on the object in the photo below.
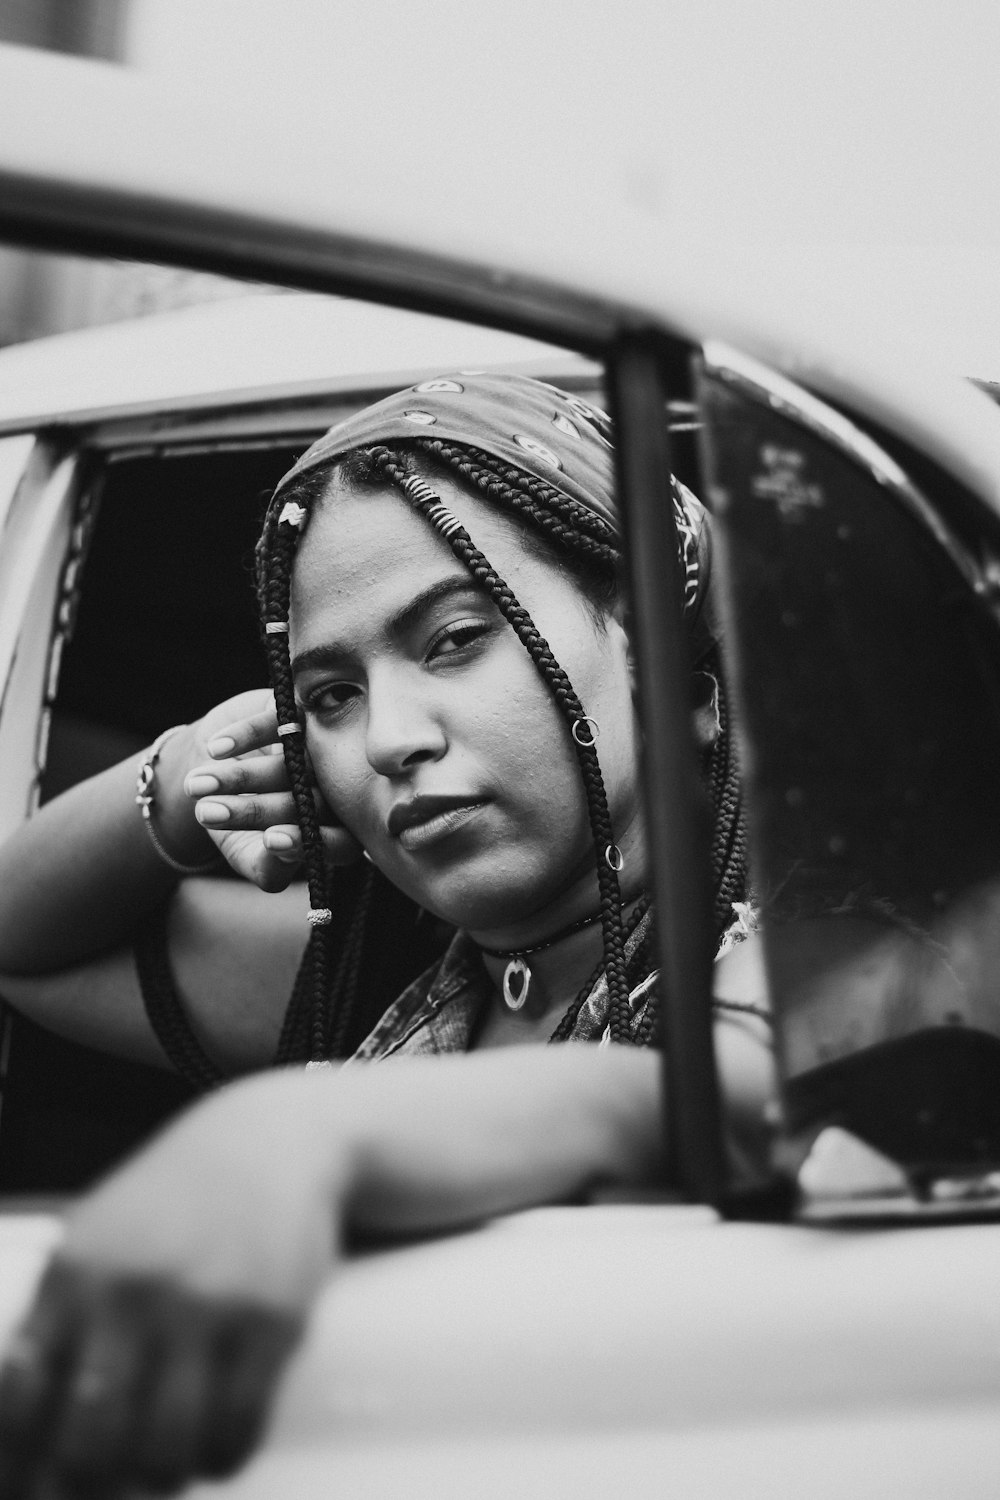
pixel 540 430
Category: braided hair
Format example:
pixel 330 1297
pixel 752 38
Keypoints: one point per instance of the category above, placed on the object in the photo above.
pixel 575 537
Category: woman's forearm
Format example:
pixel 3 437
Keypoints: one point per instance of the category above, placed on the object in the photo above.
pixel 375 1149
pixel 248 1193
pixel 78 875
pixel 488 1133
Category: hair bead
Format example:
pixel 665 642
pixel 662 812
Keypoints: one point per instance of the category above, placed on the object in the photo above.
pixel 594 730
pixel 419 489
pixel 614 858
pixel 437 512
pixel 292 514
pixel 293 728
pixel 276 627
pixel 444 521
pixel 319 916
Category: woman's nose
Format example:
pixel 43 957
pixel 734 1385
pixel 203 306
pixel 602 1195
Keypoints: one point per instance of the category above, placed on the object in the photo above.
pixel 402 728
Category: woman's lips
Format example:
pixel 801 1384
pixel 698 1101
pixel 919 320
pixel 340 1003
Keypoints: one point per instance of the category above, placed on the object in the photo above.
pixel 425 821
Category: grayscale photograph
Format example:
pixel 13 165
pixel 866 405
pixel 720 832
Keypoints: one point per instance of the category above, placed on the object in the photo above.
pixel 499 749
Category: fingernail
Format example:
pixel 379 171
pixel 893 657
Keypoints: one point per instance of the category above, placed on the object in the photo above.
pixel 201 786
pixel 221 745
pixel 212 812
pixel 278 842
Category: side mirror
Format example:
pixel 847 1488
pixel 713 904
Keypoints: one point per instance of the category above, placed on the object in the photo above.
pixel 865 625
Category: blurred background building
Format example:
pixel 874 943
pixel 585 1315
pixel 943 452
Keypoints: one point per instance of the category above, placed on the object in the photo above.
pixel 93 28
pixel 43 294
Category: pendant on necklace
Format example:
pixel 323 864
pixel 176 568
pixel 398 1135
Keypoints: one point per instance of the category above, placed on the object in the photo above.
pixel 516 983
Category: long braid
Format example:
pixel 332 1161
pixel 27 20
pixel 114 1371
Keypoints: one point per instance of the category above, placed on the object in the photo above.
pixel 294 1041
pixel 576 527
pixel 634 972
pixel 424 499
pixel 345 989
pixel 729 838
pixel 275 554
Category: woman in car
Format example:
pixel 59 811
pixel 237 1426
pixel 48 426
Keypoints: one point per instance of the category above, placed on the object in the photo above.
pixel 479 510
pixel 438 589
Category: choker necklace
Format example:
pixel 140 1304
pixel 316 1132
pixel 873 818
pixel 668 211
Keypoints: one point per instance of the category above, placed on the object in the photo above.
pixel 517 974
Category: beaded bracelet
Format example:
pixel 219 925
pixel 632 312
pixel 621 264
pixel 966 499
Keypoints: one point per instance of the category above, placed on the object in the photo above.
pixel 145 796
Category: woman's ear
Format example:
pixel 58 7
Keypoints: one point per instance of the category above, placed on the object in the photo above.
pixel 704 694
pixel 615 630
pixel 618 620
pixel 705 710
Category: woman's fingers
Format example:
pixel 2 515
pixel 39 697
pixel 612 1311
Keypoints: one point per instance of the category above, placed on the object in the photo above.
pixel 172 1418
pixel 273 814
pixel 33 1376
pixel 247 856
pixel 251 810
pixel 242 735
pixel 92 1442
pixel 284 842
pixel 121 1380
pixel 272 858
pixel 254 773
pixel 252 1345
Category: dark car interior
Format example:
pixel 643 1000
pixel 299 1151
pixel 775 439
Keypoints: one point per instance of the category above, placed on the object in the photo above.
pixel 167 571
pixel 162 627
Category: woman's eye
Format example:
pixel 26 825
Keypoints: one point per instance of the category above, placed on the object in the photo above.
pixel 331 697
pixel 455 638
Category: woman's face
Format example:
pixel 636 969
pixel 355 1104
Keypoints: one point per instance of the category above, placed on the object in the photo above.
pixel 432 735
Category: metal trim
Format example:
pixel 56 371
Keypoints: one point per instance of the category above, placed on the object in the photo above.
pixel 676 830
pixel 59 214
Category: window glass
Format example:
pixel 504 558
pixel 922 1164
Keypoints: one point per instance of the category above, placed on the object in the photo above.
pixel 868 665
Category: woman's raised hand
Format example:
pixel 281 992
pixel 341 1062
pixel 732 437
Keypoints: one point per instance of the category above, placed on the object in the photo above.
pixel 243 799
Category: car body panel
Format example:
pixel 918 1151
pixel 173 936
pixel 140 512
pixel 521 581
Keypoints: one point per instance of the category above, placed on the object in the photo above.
pixel 34 544
pixel 116 167
pixel 920 1454
pixel 248 351
pixel 567 1350
pixel 706 1324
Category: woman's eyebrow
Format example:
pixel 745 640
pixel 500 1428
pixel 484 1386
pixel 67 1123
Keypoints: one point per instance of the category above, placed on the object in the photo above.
pixel 329 653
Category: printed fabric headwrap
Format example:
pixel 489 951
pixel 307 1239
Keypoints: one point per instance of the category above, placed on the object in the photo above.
pixel 541 430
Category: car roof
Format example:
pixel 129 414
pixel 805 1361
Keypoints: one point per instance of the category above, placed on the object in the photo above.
pixel 551 218
pixel 251 349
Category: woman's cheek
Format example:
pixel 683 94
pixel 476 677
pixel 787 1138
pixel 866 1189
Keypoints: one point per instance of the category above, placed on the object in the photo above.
pixel 339 778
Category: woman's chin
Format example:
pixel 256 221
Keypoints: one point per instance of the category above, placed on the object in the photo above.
pixel 495 901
